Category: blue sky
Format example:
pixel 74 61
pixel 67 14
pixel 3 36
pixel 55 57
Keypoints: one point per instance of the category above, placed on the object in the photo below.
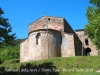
pixel 23 12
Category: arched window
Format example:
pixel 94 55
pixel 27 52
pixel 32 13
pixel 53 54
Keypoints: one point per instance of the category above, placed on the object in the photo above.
pixel 86 41
pixel 37 38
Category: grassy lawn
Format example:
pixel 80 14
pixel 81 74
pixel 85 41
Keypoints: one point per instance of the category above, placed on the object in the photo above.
pixel 78 65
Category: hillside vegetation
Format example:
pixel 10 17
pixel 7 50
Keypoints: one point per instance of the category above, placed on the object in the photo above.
pixel 10 51
pixel 78 65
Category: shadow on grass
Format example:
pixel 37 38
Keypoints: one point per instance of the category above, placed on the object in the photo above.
pixel 30 69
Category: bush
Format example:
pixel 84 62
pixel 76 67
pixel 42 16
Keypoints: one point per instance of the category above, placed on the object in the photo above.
pixel 9 52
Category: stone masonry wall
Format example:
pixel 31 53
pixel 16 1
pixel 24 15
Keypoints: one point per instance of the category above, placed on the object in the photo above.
pixel 33 50
pixel 53 23
pixel 24 51
pixel 61 41
pixel 78 46
pixel 67 47
pixel 82 36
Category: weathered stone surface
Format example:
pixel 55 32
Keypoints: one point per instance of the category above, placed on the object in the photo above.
pixel 67 47
pixel 41 50
pixel 59 41
pixel 82 36
pixel 24 51
pixel 53 23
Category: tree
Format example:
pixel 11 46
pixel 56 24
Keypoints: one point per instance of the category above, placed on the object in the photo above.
pixel 5 29
pixel 93 26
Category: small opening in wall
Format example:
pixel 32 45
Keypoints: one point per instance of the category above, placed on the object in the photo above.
pixel 36 41
pixel 86 41
pixel 48 18
pixel 37 38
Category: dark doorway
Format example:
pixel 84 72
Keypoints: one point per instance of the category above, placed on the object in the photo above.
pixel 87 51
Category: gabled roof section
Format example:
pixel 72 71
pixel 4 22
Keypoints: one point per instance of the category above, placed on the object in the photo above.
pixel 46 17
pixel 56 23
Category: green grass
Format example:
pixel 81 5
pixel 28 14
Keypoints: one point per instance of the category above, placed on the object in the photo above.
pixel 11 61
pixel 78 65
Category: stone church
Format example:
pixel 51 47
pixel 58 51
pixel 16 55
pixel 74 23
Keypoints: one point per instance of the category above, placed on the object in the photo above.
pixel 50 37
